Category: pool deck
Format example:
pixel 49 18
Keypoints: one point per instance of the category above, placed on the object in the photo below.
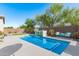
pixel 14 46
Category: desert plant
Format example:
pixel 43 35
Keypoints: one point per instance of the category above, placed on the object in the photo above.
pixel 51 32
pixel 75 35
pixel 1 33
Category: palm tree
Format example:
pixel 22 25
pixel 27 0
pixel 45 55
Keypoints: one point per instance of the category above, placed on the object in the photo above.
pixel 62 16
pixel 51 17
pixel 56 15
pixel 55 11
pixel 71 16
pixel 75 17
pixel 45 19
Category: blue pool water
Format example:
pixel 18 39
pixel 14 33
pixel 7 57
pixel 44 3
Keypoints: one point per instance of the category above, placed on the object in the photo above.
pixel 53 45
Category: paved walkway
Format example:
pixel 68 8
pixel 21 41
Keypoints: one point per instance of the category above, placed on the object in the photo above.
pixel 10 47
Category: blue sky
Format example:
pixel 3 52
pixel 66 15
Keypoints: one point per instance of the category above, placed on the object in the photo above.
pixel 15 14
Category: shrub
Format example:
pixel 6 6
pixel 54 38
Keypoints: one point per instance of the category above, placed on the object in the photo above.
pixel 1 33
pixel 75 35
pixel 51 32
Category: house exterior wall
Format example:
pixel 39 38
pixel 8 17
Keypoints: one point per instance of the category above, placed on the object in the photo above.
pixel 1 24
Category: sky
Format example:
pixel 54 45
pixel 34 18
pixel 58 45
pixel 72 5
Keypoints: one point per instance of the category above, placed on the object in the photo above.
pixel 16 13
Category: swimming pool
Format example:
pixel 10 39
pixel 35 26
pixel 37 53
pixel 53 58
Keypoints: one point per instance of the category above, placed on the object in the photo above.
pixel 50 44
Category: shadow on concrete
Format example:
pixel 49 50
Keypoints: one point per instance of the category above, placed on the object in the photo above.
pixel 73 50
pixel 9 50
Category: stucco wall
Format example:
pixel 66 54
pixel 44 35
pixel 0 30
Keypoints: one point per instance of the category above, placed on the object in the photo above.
pixel 1 25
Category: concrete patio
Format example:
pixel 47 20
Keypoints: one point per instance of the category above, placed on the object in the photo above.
pixel 14 46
